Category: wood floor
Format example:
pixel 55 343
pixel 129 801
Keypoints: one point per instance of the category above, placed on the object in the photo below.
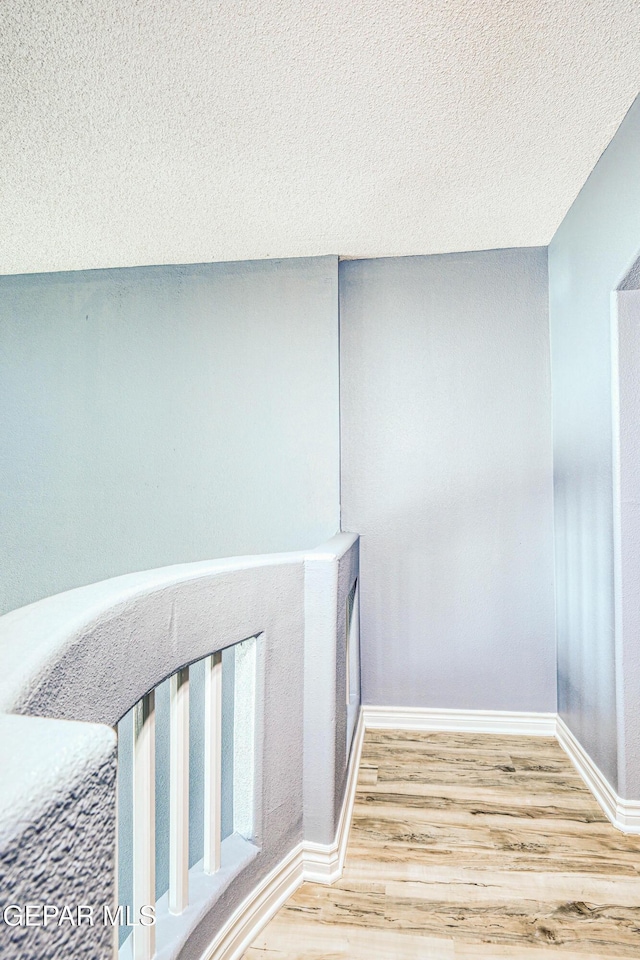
pixel 468 847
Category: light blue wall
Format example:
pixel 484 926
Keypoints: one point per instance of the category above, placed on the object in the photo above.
pixel 156 415
pixel 592 250
pixel 447 477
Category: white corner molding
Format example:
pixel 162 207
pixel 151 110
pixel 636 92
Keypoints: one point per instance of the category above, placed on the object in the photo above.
pixel 460 721
pixel 315 862
pixel 623 814
pixel 324 864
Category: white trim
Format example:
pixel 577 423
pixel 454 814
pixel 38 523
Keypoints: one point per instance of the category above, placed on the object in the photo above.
pixel 244 737
pixel 144 821
pixel 460 721
pixel 316 862
pixel 623 814
pixel 324 863
pixel 179 791
pixel 253 914
pixel 212 763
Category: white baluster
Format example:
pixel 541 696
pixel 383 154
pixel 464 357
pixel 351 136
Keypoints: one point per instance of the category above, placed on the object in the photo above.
pixel 144 823
pixel 212 762
pixel 179 792
pixel 244 737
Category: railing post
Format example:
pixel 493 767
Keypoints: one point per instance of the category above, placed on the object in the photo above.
pixel 179 792
pixel 144 823
pixel 212 762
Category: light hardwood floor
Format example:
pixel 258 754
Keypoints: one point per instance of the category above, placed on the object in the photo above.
pixel 468 847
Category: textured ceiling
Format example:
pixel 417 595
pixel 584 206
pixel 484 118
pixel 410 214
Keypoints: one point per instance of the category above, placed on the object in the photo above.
pixel 158 131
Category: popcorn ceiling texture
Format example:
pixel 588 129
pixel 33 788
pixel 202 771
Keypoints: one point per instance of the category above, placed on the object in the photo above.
pixel 192 130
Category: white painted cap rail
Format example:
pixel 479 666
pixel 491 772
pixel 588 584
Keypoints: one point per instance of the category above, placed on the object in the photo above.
pixel 104 655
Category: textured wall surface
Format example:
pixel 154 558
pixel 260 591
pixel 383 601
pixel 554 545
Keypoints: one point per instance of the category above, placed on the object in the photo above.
pixel 191 131
pixel 328 581
pixel 91 653
pixel 70 656
pixel 592 251
pixel 165 414
pixel 447 476
pixel 57 834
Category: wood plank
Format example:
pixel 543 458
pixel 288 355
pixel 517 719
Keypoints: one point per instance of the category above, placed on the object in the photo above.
pixel 468 847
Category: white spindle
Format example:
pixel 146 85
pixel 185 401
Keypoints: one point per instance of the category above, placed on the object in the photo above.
pixel 244 736
pixel 179 792
pixel 144 823
pixel 212 762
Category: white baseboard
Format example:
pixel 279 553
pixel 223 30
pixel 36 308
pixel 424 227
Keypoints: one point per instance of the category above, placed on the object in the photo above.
pixel 460 721
pixel 325 864
pixel 623 814
pixel 247 920
pixel 320 863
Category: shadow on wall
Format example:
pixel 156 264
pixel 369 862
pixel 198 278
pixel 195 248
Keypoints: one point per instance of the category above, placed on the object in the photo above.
pixel 447 475
pixel 472 575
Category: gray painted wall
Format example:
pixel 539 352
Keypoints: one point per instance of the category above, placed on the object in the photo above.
pixel 328 582
pixel 594 247
pixel 70 656
pixel 627 382
pixel 159 415
pixel 446 475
